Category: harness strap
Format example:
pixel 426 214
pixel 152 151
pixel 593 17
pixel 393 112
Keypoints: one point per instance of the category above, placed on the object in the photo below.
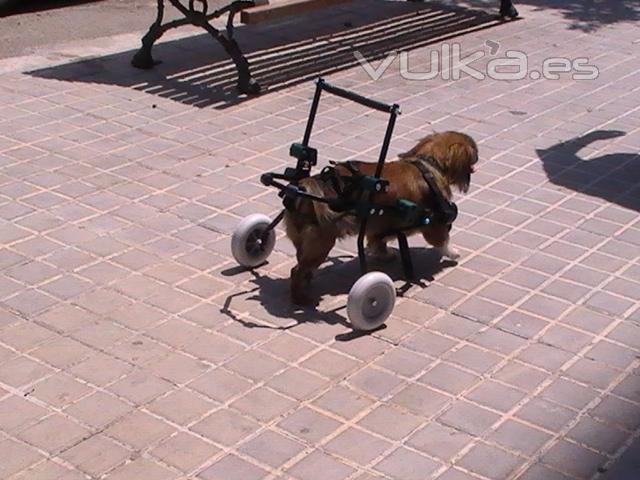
pixel 447 209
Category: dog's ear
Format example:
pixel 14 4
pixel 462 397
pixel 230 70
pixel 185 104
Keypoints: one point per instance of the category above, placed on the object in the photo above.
pixel 460 160
pixel 423 147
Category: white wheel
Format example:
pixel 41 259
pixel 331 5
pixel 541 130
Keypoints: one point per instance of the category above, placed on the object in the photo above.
pixel 246 245
pixel 371 301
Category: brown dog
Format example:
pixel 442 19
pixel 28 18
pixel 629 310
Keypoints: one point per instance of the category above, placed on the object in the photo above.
pixel 314 227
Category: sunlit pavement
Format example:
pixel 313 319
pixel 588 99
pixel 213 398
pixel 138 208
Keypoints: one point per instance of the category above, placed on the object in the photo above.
pixel 133 347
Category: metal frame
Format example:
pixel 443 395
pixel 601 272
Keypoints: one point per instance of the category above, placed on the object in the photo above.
pixel 199 16
pixel 363 209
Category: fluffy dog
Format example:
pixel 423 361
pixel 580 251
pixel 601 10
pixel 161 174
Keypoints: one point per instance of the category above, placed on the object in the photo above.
pixel 314 227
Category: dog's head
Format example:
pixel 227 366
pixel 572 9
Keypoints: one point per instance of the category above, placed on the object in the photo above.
pixel 455 154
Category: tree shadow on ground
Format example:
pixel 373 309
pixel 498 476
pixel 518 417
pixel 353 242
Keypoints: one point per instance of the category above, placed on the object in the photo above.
pixel 584 15
pixel 614 177
pixel 590 15
pixel 196 70
pixel 335 279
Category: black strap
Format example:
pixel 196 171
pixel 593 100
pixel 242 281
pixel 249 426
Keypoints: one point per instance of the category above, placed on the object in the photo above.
pixel 447 209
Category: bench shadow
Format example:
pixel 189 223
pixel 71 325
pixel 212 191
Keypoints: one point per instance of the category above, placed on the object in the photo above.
pixel 196 71
pixel 614 177
pixel 272 294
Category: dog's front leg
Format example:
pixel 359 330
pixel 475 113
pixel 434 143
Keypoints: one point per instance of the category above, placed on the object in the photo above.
pixel 438 236
pixel 447 251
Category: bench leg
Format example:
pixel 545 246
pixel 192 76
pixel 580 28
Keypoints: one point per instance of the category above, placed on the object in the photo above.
pixel 507 9
pixel 246 83
pixel 143 58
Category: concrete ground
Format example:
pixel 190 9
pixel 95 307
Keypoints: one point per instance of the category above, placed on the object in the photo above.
pixel 35 25
pixel 133 347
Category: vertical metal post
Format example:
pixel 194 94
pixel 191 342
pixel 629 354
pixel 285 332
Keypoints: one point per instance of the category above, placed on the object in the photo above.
pixel 312 113
pixel 387 139
pixel 405 256
pixel 362 257
pixel 383 155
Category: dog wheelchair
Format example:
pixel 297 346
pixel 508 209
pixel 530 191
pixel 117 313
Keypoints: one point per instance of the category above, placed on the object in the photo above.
pixel 372 298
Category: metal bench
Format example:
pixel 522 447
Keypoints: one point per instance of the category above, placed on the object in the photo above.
pixel 197 12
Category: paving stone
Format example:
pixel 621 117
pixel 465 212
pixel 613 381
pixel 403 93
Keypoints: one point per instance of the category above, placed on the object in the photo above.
pixel 272 448
pixel 498 340
pixel 545 356
pixel 421 400
pixel 25 336
pixel 517 436
pixel 225 426
pixel 181 406
pixel 469 418
pixel 53 433
pixel 495 396
pixel 453 474
pixel 439 441
pixel 343 402
pixel 566 338
pixel 617 412
pixel 374 382
pixel 429 343
pixel 522 324
pixel 404 464
pixel 390 422
pixel 629 388
pixel 480 361
pixel 140 387
pixel 49 470
pixel 307 424
pixel 20 371
pixel 98 409
pixel 330 364
pixel 597 435
pixel 541 472
pixel 592 372
pixel 263 404
pixel 100 369
pixel 17 412
pixel 142 468
pixel 16 457
pixel 319 466
pixel 62 352
pixel 139 430
pixel 449 378
pixel 573 459
pixel 358 446
pixel 221 385
pixel 184 451
pixel 96 455
pixel 545 414
pixel 490 461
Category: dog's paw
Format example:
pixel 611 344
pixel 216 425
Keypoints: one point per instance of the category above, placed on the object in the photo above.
pixel 450 253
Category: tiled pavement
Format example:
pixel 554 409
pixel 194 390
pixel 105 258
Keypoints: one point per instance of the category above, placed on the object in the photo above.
pixel 131 347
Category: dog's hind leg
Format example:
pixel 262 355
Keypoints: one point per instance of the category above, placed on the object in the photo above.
pixel 312 249
pixel 438 236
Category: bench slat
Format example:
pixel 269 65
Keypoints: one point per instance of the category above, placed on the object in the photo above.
pixel 283 8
